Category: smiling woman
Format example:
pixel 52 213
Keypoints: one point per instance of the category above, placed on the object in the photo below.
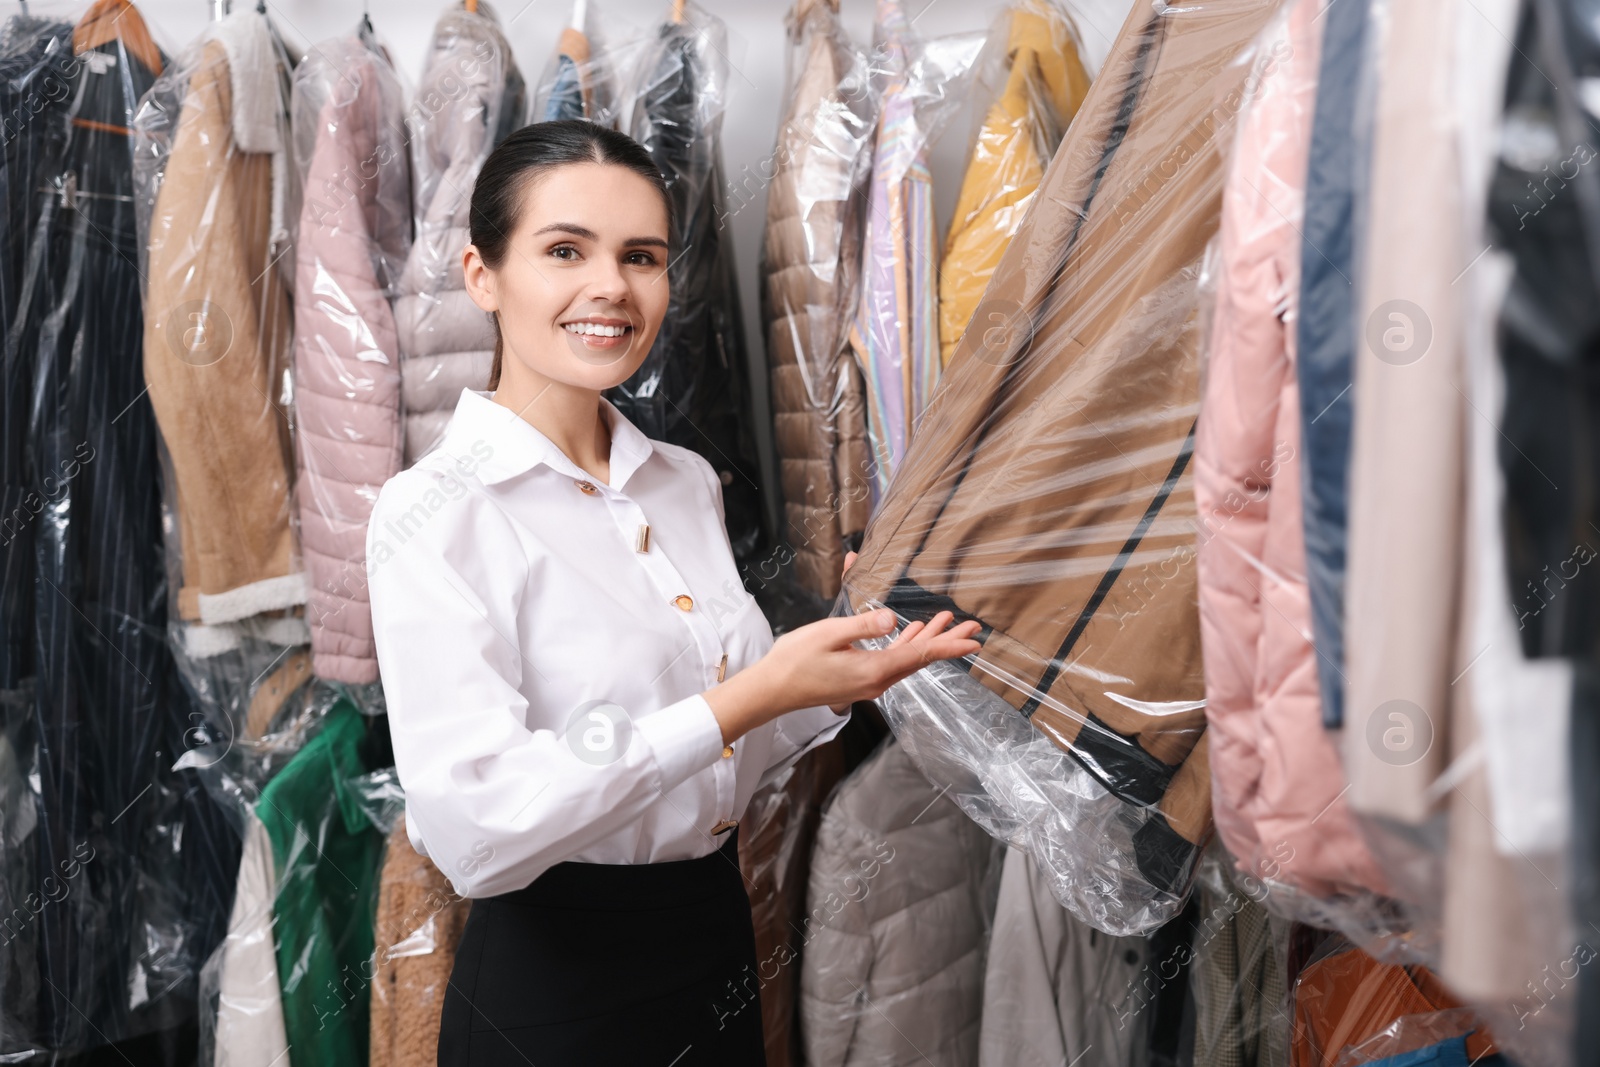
pixel 548 278
pixel 577 726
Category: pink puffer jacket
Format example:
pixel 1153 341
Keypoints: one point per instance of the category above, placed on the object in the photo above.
pixel 1277 781
pixel 354 229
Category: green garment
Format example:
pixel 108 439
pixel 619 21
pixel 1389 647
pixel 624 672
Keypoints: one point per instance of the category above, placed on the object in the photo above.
pixel 326 852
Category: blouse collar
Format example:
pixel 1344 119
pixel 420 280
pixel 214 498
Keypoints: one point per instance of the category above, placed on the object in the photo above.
pixel 515 446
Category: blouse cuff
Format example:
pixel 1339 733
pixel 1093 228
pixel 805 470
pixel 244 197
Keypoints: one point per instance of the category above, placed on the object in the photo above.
pixel 684 738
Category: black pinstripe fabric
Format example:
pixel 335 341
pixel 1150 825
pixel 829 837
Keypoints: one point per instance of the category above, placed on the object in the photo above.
pixel 35 76
pixel 133 864
pixel 35 57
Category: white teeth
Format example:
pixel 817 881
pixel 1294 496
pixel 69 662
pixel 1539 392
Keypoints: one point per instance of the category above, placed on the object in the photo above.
pixel 595 329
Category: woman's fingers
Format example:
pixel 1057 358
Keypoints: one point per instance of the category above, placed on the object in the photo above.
pixel 918 628
pixel 935 642
pixel 933 637
pixel 911 630
pixel 917 644
pixel 931 642
pixel 936 626
pixel 849 558
pixel 866 625
pixel 936 623
pixel 952 645
pixel 962 630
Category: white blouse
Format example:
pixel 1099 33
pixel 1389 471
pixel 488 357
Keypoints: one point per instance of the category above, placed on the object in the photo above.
pixel 544 639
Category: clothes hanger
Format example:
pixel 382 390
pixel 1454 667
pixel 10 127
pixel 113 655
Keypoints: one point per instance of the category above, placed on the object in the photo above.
pixel 105 22
pixel 803 7
pixel 574 44
pixel 98 25
pixel 288 57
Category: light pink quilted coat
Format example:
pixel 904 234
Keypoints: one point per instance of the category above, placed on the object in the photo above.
pixel 1277 780
pixel 346 358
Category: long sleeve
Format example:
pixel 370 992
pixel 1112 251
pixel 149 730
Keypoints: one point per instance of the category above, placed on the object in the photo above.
pixel 798 733
pixel 494 796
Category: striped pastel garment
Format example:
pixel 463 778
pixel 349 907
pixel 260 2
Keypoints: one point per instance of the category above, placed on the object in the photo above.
pixel 896 332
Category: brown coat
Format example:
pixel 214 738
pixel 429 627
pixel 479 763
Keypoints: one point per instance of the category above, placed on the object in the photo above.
pixel 216 343
pixel 418 928
pixel 1048 491
pixel 776 836
pixel 809 259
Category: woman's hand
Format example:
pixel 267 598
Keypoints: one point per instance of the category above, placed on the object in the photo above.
pixel 819 664
pixel 849 558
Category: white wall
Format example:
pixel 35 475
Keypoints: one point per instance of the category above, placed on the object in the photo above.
pixel 756 53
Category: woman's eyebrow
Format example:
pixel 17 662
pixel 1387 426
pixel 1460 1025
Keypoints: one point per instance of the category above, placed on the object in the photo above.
pixel 589 235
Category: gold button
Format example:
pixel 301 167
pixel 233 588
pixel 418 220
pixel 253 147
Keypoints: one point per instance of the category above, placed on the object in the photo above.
pixel 641 541
pixel 722 667
pixel 727 751
pixel 588 487
pixel 724 825
pixel 684 601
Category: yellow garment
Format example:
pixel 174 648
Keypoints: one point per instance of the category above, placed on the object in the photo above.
pixel 1045 85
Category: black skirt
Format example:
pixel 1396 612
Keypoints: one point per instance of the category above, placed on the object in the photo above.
pixel 598 964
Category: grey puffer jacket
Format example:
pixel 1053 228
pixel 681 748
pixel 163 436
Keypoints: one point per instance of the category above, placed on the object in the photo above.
pixel 471 97
pixel 902 896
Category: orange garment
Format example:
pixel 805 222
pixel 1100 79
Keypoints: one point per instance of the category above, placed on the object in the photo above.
pixel 1349 997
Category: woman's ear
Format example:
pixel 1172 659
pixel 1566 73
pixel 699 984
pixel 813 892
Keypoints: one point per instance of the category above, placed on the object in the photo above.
pixel 479 279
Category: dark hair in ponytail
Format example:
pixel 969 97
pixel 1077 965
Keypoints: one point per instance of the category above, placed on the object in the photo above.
pixel 497 195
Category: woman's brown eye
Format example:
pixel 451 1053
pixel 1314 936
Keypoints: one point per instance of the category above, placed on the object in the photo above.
pixel 560 251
